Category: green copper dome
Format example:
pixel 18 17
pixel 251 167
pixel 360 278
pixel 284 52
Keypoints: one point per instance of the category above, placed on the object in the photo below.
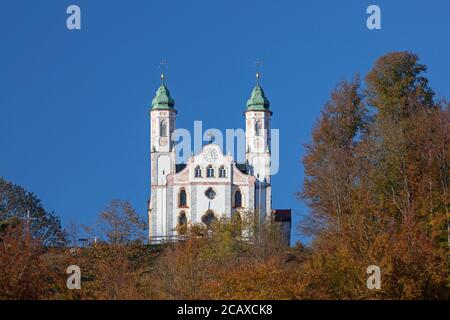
pixel 163 100
pixel 258 100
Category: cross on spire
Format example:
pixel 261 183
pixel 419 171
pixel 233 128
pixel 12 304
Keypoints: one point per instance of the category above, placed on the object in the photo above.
pixel 163 67
pixel 258 64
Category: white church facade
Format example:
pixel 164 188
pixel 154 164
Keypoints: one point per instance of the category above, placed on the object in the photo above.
pixel 210 185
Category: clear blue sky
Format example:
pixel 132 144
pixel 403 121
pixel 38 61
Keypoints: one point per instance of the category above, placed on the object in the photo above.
pixel 74 124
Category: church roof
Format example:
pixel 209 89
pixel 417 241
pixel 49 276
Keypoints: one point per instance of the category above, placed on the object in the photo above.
pixel 258 100
pixel 242 167
pixel 163 100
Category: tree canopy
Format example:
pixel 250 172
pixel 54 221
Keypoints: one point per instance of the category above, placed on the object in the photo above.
pixel 16 204
pixel 376 180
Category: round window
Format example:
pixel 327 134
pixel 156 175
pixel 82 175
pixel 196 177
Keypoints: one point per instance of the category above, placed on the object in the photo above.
pixel 210 193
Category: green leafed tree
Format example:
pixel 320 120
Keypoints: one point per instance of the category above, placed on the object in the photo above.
pixel 397 85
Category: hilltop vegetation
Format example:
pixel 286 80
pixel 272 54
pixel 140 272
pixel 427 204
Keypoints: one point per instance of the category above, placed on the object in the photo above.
pixel 376 183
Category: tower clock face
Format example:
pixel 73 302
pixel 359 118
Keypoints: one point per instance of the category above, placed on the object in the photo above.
pixel 210 155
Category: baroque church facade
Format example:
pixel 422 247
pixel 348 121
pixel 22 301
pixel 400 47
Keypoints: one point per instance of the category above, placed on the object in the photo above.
pixel 210 185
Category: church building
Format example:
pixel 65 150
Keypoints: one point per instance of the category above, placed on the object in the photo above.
pixel 210 185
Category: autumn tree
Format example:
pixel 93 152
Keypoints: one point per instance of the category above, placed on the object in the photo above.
pixel 384 191
pixel 229 260
pixel 111 265
pixel 330 167
pixel 25 273
pixel 408 177
pixel 121 224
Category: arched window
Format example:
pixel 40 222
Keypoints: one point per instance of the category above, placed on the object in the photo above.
pixel 182 223
pixel 238 199
pixel 222 172
pixel 210 171
pixel 258 128
pixel 198 172
pixel 182 201
pixel 209 218
pixel 163 128
pixel 182 220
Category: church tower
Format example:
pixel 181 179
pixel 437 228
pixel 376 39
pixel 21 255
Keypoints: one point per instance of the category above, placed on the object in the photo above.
pixel 257 139
pixel 162 153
